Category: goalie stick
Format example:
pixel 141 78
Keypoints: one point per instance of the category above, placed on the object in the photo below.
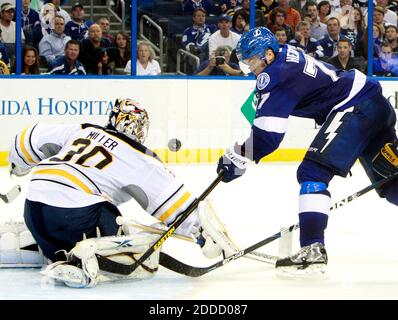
pixel 191 271
pixel 11 195
pixel 111 266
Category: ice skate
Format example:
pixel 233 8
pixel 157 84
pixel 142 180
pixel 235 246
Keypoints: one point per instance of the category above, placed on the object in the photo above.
pixel 310 261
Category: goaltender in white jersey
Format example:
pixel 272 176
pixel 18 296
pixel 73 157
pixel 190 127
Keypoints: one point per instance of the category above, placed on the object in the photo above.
pixel 81 174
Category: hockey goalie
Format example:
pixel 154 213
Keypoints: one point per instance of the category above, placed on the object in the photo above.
pixel 80 174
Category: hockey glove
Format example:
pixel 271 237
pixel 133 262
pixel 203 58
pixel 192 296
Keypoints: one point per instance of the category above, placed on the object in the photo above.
pixel 385 163
pixel 233 165
pixel 18 171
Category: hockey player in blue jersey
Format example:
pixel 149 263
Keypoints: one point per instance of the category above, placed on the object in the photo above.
pixel 357 122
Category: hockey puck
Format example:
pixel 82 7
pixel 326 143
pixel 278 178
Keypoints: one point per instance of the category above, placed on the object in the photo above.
pixel 174 145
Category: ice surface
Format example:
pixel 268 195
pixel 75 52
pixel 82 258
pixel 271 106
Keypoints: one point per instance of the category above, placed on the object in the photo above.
pixel 361 240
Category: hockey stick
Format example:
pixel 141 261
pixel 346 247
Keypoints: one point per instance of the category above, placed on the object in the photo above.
pixel 258 256
pixel 191 271
pixel 11 195
pixel 114 267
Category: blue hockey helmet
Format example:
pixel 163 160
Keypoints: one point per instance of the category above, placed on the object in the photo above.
pixel 255 42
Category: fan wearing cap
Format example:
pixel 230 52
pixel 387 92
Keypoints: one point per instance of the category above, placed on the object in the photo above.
pixel 77 28
pixel 224 36
pixel 7 26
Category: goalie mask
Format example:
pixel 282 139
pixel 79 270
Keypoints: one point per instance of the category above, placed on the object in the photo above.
pixel 129 118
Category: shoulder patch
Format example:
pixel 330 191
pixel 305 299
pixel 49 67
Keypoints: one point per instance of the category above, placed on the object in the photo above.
pixel 262 80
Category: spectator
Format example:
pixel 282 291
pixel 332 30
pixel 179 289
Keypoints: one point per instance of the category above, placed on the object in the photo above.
pixel 29 19
pixel 277 20
pixel 346 15
pixel 77 28
pixel 191 5
pixel 386 65
pixel 259 19
pixel 224 36
pixel 104 65
pixel 4 70
pixel 219 64
pixel 240 22
pixel 324 10
pixel 52 45
pixel 222 7
pixel 105 26
pixel 344 61
pixel 300 6
pixel 30 60
pixel 7 27
pixel 359 25
pixel 3 52
pixel 87 55
pixel 292 15
pixel 317 29
pixel 378 18
pixel 146 63
pixel 233 6
pixel 121 53
pixel 391 37
pixel 47 15
pixel 362 47
pixel 68 64
pixel 58 11
pixel 329 41
pixel 305 43
pixel 280 34
pixel 266 6
pixel 390 17
pixel 195 39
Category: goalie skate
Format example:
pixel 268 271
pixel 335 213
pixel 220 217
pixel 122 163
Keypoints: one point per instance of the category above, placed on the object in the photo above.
pixel 82 269
pixel 309 262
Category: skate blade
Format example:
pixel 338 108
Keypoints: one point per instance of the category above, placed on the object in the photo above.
pixel 314 272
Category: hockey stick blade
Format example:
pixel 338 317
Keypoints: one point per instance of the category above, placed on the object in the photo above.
pixel 11 195
pixel 191 271
pixel 114 267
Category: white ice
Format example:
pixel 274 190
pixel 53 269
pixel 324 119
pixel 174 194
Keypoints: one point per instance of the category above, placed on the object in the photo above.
pixel 361 240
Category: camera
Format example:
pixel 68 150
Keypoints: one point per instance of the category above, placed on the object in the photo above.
pixel 220 60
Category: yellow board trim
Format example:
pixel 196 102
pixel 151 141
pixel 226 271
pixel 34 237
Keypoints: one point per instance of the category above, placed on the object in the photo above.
pixel 175 206
pixel 22 146
pixel 66 175
pixel 210 156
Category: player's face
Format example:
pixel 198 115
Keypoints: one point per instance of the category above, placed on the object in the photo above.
pixel 343 49
pixel 253 64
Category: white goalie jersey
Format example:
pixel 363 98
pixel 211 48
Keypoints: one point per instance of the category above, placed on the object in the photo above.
pixel 80 165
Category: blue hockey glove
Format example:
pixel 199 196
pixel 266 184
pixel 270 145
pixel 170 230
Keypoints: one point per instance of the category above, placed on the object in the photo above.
pixel 233 165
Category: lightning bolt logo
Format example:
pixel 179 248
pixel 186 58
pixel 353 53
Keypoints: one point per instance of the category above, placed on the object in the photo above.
pixel 334 125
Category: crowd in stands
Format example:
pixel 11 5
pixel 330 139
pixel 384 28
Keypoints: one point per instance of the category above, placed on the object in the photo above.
pixel 55 41
pixel 333 31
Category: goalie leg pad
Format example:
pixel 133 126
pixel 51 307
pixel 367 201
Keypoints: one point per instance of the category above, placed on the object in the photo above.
pixel 82 270
pixel 214 233
pixel 18 248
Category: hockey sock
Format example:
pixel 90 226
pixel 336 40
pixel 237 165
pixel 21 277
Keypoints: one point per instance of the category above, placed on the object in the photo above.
pixel 313 214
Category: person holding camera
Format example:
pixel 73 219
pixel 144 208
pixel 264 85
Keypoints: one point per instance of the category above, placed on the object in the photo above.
pixel 219 64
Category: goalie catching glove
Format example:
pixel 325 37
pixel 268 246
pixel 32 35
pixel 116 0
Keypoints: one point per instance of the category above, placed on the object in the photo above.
pixel 232 163
pixel 385 163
